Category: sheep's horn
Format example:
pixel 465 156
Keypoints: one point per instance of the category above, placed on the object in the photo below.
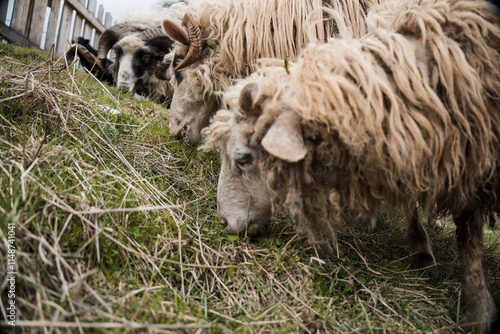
pixel 71 53
pixel 108 39
pixel 250 100
pixel 195 42
pixel 156 37
pixel 83 53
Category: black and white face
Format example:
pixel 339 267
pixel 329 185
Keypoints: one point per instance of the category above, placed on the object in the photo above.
pixel 134 64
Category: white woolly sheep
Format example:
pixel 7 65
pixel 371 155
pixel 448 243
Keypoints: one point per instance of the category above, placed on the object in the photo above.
pixel 224 38
pixel 408 113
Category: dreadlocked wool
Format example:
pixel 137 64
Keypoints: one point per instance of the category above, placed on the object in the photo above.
pixel 409 112
pixel 240 32
pixel 235 34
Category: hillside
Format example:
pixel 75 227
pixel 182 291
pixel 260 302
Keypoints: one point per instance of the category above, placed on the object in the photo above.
pixel 116 231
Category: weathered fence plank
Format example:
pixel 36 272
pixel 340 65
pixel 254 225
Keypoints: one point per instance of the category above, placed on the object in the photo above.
pixel 64 29
pixel 89 17
pixel 52 26
pixel 15 37
pixel 26 26
pixel 87 33
pixel 19 15
pixel 100 14
pixel 78 24
pixel 4 5
pixel 108 21
pixel 37 19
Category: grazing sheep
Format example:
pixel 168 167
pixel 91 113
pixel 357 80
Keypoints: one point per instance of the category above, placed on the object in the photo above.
pixel 224 38
pixel 88 58
pixel 85 43
pixel 139 46
pixel 408 113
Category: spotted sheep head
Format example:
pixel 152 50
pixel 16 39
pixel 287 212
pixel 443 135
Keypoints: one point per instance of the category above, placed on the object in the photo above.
pixel 137 56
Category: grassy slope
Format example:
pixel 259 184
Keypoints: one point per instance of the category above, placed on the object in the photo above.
pixel 116 231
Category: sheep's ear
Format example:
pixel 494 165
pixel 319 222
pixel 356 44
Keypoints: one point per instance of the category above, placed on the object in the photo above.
pixel 250 97
pixel 163 71
pixel 284 138
pixel 175 31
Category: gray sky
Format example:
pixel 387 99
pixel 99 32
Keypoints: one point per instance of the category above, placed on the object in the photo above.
pixel 119 7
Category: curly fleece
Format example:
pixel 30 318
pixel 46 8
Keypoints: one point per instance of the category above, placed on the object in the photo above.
pixel 409 112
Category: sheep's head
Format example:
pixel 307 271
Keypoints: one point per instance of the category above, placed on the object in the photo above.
pixel 194 99
pixel 243 195
pixel 82 41
pixel 136 56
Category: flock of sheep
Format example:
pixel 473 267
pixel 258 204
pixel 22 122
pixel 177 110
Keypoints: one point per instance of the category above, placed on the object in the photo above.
pixel 329 109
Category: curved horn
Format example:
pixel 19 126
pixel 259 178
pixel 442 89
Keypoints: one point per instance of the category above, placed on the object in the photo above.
pixel 156 37
pixel 84 53
pixel 108 39
pixel 71 53
pixel 195 42
pixel 250 100
pixel 102 73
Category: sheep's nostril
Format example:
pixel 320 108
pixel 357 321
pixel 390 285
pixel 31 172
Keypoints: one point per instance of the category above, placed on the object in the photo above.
pixel 184 132
pixel 222 220
pixel 178 129
pixel 123 88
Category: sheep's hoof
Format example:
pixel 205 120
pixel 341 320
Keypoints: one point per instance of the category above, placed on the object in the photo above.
pixel 426 262
pixel 437 225
pixel 368 222
pixel 471 326
pixel 480 317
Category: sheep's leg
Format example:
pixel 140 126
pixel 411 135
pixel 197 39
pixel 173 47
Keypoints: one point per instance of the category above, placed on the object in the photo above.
pixel 434 221
pixel 479 306
pixel 493 219
pixel 368 220
pixel 420 245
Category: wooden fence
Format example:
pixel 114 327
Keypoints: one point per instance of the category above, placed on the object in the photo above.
pixel 63 20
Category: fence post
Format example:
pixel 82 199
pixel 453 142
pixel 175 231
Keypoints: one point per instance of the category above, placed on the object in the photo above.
pixel 78 24
pixel 4 4
pixel 100 14
pixel 51 28
pixel 19 15
pixel 28 19
pixel 19 24
pixel 63 36
pixel 87 33
pixel 37 21
pixel 108 21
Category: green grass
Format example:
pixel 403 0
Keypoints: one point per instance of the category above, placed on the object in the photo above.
pixel 116 231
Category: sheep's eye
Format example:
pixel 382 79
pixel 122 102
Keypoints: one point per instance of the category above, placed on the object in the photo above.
pixel 243 159
pixel 146 59
pixel 178 76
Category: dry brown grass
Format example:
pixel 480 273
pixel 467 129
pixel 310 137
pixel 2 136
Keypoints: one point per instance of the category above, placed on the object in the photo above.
pixel 116 231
